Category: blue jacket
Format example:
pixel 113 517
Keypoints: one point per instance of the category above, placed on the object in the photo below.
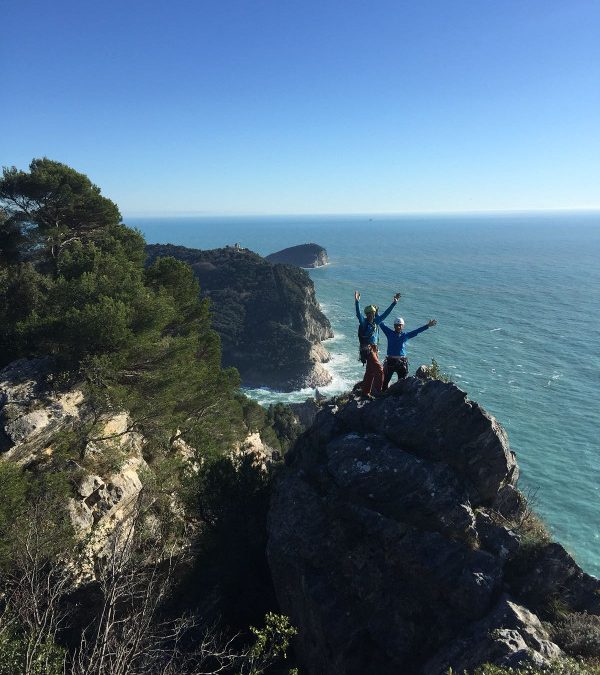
pixel 371 330
pixel 397 341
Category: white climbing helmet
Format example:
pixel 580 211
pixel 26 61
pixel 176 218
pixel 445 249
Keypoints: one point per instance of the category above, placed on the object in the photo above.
pixel 399 321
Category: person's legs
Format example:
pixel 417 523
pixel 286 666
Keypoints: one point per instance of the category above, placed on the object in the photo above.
pixel 373 375
pixel 388 371
pixel 378 373
pixel 368 378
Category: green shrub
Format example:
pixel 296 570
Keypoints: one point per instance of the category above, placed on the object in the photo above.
pixel 20 654
pixel 272 642
pixel 562 666
pixel 436 374
pixel 285 424
pixel 578 634
pixel 32 509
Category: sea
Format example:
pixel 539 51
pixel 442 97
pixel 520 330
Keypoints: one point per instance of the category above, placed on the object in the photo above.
pixel 517 301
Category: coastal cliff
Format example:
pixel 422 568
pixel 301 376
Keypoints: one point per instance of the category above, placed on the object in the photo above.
pixel 398 541
pixel 303 255
pixel 267 316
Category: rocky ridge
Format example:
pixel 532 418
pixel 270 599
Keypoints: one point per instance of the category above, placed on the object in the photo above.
pixel 267 316
pixel 397 541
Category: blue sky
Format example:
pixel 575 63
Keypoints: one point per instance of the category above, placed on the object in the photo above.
pixel 285 106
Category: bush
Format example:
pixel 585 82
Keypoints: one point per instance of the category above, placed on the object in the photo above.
pixel 17 655
pixel 32 509
pixel 436 374
pixel 562 666
pixel 281 417
pixel 578 634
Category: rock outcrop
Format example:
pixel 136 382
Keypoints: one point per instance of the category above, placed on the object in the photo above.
pixel 33 415
pixel 303 255
pixel 394 546
pixel 267 316
pixel 30 410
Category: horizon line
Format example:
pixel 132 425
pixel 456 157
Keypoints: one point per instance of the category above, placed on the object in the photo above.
pixel 372 214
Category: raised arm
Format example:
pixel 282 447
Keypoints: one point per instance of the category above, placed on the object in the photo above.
pixel 412 333
pixel 381 317
pixel 357 307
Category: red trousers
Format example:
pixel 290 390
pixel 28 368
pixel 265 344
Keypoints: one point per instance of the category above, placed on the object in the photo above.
pixel 373 379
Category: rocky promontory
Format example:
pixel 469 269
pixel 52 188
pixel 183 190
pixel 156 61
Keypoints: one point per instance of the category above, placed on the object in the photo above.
pixel 267 315
pixel 303 255
pixel 399 543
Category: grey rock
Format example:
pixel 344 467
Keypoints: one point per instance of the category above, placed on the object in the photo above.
pixel 554 575
pixel 31 412
pixel 435 421
pixel 399 485
pixel 88 485
pixel 373 542
pixel 305 412
pixel 423 372
pixel 390 544
pixel 81 517
pixel 494 537
pixel 510 635
pixel 27 425
pixel 509 502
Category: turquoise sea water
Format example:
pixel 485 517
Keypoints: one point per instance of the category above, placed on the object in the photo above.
pixel 517 300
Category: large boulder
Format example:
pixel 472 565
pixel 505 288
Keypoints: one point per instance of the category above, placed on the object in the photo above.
pixel 385 546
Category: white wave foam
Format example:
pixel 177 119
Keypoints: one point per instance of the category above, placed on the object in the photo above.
pixel 493 330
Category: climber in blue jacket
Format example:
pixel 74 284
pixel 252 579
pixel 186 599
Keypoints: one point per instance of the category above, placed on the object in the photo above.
pixel 368 336
pixel 396 360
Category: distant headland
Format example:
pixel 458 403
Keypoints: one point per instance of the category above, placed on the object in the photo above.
pixel 303 255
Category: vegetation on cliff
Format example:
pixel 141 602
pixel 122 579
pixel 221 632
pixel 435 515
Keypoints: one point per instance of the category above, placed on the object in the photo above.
pixel 74 289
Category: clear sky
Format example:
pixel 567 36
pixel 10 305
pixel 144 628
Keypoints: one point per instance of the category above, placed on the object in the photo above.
pixel 309 106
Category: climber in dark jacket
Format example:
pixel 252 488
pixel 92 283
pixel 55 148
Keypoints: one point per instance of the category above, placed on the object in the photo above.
pixel 396 360
pixel 368 333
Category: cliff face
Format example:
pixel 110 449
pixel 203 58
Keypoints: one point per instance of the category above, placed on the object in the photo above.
pixel 397 541
pixel 303 255
pixel 267 315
